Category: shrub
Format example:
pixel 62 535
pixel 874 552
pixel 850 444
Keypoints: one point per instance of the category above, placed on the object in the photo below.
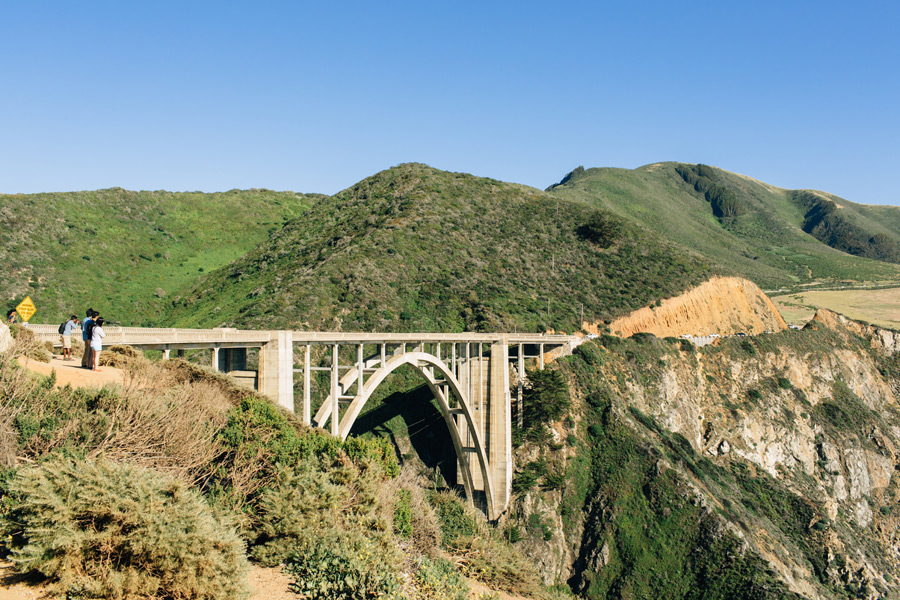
pixel 403 514
pixel 343 565
pixel 122 357
pixel 292 509
pixel 554 481
pixel 784 383
pixel 545 399
pixel 524 481
pixel 487 556
pixel 101 529
pixel 602 229
pixel 438 580
pixel 513 533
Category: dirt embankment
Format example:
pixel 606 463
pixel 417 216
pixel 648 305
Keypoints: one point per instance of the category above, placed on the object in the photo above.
pixel 723 305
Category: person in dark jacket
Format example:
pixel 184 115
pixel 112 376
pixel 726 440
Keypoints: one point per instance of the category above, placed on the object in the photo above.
pixel 87 360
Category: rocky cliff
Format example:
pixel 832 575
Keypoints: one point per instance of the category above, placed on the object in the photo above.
pixel 787 444
pixel 724 305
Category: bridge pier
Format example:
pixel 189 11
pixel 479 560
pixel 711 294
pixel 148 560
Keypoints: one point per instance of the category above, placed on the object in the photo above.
pixel 486 378
pixel 276 369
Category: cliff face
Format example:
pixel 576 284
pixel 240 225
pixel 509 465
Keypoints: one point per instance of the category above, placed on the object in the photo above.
pixel 724 305
pixel 794 449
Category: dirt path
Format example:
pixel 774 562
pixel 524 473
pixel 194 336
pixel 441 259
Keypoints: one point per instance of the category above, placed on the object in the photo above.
pixel 70 372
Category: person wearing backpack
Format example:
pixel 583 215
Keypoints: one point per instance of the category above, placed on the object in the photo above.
pixel 87 360
pixel 65 333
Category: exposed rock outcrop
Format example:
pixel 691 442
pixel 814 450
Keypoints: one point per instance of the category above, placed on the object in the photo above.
pixel 724 305
pixel 886 341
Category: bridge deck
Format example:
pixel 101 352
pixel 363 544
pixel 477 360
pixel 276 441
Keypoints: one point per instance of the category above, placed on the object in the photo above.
pixel 156 338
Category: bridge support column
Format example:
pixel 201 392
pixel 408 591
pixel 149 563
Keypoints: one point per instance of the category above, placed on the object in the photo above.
pixel 499 429
pixel 276 369
pixel 486 379
pixel 231 359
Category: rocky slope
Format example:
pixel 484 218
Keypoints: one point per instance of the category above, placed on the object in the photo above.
pixel 724 305
pixel 782 448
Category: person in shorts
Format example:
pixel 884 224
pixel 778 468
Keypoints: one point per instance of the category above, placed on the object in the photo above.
pixel 97 335
pixel 71 325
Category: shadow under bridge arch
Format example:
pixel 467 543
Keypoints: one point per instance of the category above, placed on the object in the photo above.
pixel 452 403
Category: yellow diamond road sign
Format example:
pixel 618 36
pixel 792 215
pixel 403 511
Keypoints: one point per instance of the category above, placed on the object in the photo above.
pixel 26 308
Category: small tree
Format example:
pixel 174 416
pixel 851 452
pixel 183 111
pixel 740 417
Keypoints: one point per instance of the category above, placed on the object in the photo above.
pixel 602 229
pixel 545 399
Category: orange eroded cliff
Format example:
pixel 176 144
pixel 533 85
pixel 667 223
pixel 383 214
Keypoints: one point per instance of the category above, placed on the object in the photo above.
pixel 723 305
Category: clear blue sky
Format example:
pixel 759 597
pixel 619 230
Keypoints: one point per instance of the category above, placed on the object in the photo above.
pixel 314 96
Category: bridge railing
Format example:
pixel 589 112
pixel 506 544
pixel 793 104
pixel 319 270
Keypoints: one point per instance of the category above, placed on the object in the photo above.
pixel 147 336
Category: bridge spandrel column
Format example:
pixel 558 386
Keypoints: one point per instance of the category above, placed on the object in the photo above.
pixel 276 369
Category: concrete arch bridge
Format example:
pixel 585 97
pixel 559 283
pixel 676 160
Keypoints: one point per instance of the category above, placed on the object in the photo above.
pixel 469 375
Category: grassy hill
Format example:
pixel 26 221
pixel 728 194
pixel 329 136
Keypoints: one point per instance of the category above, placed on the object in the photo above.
pixel 415 248
pixel 124 252
pixel 776 237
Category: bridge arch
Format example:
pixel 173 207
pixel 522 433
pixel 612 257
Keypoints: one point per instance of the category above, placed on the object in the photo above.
pixel 446 388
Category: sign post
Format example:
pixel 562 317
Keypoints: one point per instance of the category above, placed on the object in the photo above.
pixel 26 309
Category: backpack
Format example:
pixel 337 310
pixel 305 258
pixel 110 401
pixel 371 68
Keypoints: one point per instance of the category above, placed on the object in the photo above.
pixel 62 328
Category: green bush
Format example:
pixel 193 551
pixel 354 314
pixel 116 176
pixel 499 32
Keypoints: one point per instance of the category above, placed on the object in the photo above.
pixel 602 228
pixel 513 534
pixel 524 481
pixel 101 529
pixel 438 580
pixel 403 514
pixel 545 399
pixel 292 509
pixel 343 565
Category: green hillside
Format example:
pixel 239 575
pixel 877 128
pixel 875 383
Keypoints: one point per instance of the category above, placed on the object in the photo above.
pixel 415 248
pixel 776 237
pixel 124 252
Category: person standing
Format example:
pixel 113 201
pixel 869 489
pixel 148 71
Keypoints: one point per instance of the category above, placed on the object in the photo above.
pixel 97 335
pixel 86 359
pixel 71 325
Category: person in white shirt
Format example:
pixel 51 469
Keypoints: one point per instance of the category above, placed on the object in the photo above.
pixel 97 335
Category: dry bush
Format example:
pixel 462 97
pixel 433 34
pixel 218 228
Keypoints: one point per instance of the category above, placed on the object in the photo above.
pixel 480 551
pixel 174 432
pixel 15 384
pixel 122 357
pixel 152 420
pixel 183 371
pixel 26 345
pixel 425 537
pixel 158 423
